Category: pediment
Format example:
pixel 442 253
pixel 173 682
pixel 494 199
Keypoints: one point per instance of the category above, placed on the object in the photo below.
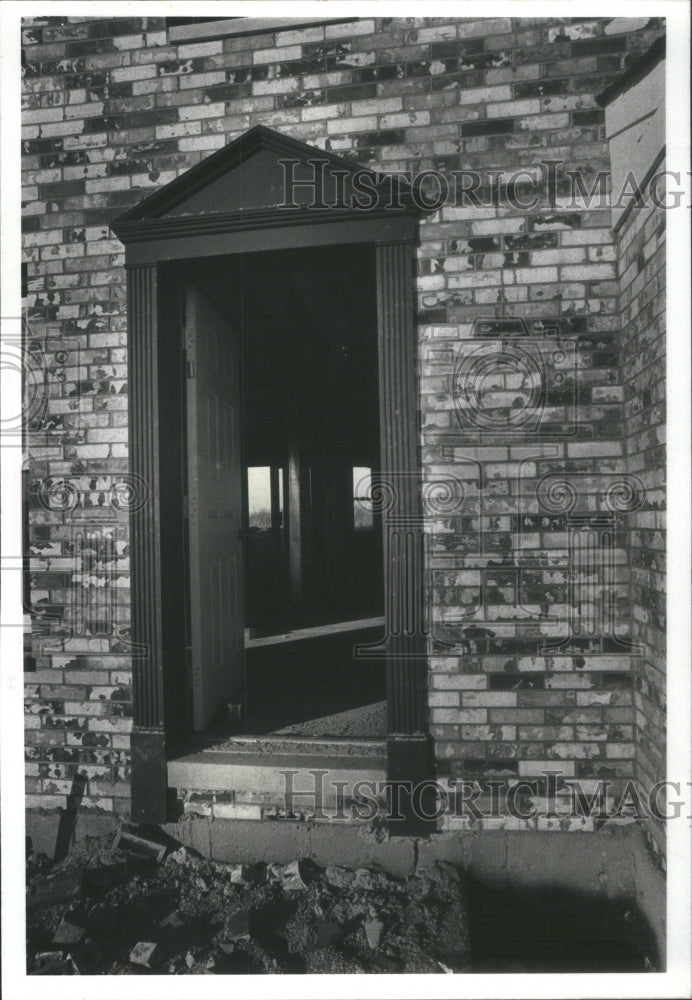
pixel 266 172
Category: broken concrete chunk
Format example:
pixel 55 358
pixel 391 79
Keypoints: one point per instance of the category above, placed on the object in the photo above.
pixel 177 857
pixel 243 875
pixel 338 876
pixel 373 932
pixel 237 926
pixel 77 965
pixel 137 846
pixel 364 879
pixel 69 932
pixel 189 960
pixel 52 963
pixel 145 953
pixel 172 920
pixel 50 889
pixel 274 872
pixel 292 877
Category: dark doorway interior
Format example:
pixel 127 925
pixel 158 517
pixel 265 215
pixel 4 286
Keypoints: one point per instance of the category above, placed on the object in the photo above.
pixel 313 542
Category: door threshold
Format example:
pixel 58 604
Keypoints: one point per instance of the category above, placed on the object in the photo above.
pixel 287 743
pixel 279 746
pixel 295 635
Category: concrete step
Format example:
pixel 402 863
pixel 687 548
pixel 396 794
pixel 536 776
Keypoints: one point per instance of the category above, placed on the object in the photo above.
pixel 252 785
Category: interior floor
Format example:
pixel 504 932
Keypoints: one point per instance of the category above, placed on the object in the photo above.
pixel 313 689
pixel 305 686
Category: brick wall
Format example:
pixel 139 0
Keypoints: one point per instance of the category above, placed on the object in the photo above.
pixel 642 291
pixel 111 112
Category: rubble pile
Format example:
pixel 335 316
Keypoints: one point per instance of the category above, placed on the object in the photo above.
pixel 110 909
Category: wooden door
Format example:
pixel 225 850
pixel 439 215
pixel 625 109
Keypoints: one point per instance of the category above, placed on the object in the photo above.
pixel 214 483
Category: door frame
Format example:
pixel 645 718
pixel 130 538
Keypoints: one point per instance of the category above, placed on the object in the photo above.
pixel 394 236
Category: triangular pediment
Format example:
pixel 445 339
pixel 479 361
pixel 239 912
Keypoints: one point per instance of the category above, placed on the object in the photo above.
pixel 264 171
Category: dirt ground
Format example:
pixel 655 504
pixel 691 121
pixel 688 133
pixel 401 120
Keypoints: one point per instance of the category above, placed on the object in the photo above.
pixel 213 918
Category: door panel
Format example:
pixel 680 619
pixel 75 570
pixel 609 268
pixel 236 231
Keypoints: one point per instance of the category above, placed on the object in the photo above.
pixel 214 409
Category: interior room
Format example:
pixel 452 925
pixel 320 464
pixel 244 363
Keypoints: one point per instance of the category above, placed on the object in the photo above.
pixel 313 578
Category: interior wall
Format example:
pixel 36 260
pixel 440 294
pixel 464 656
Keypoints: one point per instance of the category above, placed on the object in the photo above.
pixel 310 397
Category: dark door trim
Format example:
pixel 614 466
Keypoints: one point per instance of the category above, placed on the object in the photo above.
pixel 394 238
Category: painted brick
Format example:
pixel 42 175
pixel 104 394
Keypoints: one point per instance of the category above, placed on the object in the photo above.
pixel 348 125
pixel 131 73
pixel 509 108
pixel 492 92
pixel 588 272
pixel 489 27
pixel 459 682
pixel 282 54
pixel 443 699
pixel 361 27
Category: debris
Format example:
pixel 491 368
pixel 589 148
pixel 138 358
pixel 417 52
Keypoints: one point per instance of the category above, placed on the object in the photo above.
pixel 68 932
pixel 243 875
pixel 299 919
pixel 293 876
pixel 49 889
pixel 414 913
pixel 77 965
pixel 274 872
pixel 373 932
pixel 137 846
pixel 338 876
pixel 328 933
pixel 364 879
pixel 52 963
pixel 237 926
pixel 384 963
pixel 420 886
pixel 145 953
pixel 85 956
pixel 180 856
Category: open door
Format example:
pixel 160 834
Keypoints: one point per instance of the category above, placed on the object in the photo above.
pixel 214 506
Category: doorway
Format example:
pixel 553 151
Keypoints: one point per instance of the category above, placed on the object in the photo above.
pixel 283 544
pixel 231 203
